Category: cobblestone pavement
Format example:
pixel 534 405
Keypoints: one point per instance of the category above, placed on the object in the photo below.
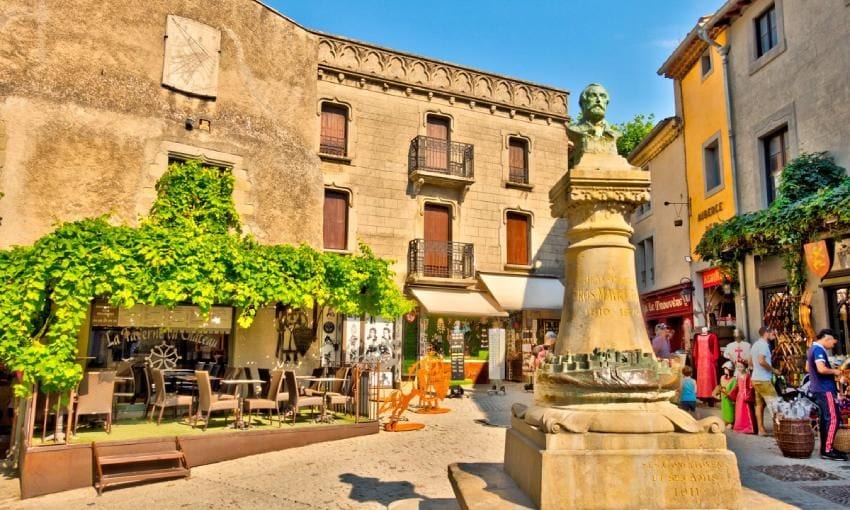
pixel 379 470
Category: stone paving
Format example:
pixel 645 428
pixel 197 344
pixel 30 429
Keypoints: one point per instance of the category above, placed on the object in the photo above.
pixel 391 469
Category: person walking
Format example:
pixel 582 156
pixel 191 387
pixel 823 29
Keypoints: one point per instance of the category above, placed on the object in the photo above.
pixel 762 377
pixel 822 387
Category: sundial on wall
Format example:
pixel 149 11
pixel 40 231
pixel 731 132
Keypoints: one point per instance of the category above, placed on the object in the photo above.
pixel 191 56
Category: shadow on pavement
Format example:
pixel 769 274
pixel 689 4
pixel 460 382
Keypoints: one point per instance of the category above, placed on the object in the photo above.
pixel 366 489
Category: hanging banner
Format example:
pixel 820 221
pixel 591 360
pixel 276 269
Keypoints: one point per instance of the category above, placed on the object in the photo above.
pixel 456 347
pixel 496 365
pixel 330 348
pixel 352 339
pixel 817 257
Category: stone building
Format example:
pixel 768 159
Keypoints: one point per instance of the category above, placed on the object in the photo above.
pixel 661 233
pixel 788 68
pixel 333 142
pixel 446 170
pixel 697 71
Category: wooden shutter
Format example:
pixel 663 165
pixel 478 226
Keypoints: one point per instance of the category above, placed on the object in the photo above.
pixel 518 160
pixel 335 220
pixel 334 130
pixel 438 235
pixel 437 150
pixel 517 232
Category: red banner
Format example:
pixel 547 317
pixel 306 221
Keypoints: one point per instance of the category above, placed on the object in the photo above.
pixel 817 257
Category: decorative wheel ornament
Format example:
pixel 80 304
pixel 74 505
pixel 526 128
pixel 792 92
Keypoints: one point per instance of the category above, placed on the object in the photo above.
pixel 163 356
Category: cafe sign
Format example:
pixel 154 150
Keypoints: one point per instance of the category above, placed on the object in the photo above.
pixel 667 304
pixel 712 278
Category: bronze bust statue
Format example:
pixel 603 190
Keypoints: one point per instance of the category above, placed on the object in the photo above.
pixel 592 133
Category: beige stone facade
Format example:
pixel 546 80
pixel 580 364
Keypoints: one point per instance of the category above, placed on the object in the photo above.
pixel 389 96
pixel 90 118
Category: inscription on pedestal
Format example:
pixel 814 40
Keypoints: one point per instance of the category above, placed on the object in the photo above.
pixel 607 295
pixel 687 479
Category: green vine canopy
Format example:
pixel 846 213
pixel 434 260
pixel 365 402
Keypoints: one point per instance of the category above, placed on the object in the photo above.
pixel 813 203
pixel 189 249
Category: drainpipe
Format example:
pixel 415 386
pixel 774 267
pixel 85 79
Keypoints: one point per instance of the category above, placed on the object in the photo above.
pixel 733 158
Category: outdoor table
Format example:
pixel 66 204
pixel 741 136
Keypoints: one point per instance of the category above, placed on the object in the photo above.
pixel 239 424
pixel 325 417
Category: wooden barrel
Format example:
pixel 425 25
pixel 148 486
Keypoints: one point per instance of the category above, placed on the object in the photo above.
pixel 795 438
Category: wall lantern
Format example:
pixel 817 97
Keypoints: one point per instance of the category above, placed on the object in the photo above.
pixel 687 289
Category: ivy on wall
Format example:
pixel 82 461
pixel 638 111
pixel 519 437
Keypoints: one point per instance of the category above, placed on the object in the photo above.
pixel 814 201
pixel 190 249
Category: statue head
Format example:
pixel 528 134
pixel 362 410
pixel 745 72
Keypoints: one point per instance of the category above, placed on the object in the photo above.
pixel 593 102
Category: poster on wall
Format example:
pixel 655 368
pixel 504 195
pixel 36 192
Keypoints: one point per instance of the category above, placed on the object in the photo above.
pixel 351 336
pixel 330 348
pixel 380 340
pixel 496 341
pixel 456 346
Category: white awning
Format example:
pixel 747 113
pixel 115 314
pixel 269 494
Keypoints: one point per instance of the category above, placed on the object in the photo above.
pixel 457 302
pixel 525 292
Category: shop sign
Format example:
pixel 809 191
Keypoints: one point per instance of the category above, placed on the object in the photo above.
pixel 710 211
pixel 180 317
pixel 456 348
pixel 671 303
pixel 817 257
pixel 712 278
pixel 104 315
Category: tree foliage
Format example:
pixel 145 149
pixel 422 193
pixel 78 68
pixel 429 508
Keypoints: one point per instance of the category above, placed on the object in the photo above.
pixel 188 250
pixel 633 132
pixel 814 201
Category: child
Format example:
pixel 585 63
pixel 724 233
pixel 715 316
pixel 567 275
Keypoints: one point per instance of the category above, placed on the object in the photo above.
pixel 688 392
pixel 727 405
pixel 742 393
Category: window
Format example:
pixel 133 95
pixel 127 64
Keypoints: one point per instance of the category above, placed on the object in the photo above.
pixel 518 234
pixel 335 222
pixel 711 160
pixel 705 62
pixel 775 147
pixel 645 263
pixel 518 160
pixel 334 134
pixel 645 208
pixel 766 33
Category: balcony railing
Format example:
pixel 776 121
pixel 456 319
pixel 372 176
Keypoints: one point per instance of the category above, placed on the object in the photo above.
pixel 332 145
pixel 440 156
pixel 440 259
pixel 518 175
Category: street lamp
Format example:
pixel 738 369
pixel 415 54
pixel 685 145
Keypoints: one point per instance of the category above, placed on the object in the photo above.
pixel 687 289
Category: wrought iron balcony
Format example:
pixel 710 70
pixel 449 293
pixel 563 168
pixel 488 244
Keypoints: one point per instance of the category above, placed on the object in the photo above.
pixel 437 161
pixel 440 259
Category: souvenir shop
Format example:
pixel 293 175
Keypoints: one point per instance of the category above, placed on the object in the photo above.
pixel 672 306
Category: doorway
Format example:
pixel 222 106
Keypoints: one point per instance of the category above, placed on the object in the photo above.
pixel 838 301
pixel 438 237
pixel 437 149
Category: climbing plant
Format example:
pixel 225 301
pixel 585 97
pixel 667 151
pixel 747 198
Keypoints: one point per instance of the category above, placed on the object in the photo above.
pixel 189 249
pixel 814 202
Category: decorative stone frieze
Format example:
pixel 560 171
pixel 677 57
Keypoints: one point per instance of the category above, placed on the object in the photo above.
pixel 411 72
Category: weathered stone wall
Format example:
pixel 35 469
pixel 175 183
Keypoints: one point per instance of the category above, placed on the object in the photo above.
pixel 387 212
pixel 89 127
pixel 801 84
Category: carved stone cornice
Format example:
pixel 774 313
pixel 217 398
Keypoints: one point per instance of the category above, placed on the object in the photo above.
pixel 592 182
pixel 369 62
pixel 662 135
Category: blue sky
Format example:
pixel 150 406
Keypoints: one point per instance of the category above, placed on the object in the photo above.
pixel 562 43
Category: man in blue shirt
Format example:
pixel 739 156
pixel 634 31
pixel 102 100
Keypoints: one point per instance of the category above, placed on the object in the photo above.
pixel 822 387
pixel 661 341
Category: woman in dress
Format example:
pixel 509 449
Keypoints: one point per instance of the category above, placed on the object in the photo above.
pixel 727 384
pixel 742 393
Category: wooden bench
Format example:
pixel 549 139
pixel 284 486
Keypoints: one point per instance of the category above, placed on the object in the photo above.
pixel 138 467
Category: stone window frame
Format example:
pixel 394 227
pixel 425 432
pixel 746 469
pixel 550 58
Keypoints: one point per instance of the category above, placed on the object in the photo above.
pixel 506 159
pixel 351 228
pixel 713 139
pixel 454 208
pixel 703 73
pixel 350 130
pixel 437 112
pixel 242 186
pixel 503 240
pixel 759 61
pixel 785 116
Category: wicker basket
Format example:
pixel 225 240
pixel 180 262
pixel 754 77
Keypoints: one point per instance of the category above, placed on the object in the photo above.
pixel 795 438
pixel 842 439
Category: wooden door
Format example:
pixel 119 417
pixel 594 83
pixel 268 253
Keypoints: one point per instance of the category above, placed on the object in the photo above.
pixel 333 135
pixel 438 236
pixel 335 220
pixel 517 239
pixel 437 150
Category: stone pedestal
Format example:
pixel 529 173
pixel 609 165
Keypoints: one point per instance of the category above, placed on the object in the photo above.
pixel 622 471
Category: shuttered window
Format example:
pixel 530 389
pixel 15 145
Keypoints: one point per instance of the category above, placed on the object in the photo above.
pixel 335 221
pixel 518 160
pixel 334 130
pixel 518 231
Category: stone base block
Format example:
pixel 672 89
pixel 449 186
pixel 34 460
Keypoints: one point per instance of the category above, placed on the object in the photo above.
pixel 622 471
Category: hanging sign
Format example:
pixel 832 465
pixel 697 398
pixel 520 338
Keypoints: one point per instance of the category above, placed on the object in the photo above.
pixel 817 257
pixel 712 278
pixel 456 348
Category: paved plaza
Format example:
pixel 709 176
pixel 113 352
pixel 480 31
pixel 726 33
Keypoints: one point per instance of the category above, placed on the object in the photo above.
pixel 391 469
